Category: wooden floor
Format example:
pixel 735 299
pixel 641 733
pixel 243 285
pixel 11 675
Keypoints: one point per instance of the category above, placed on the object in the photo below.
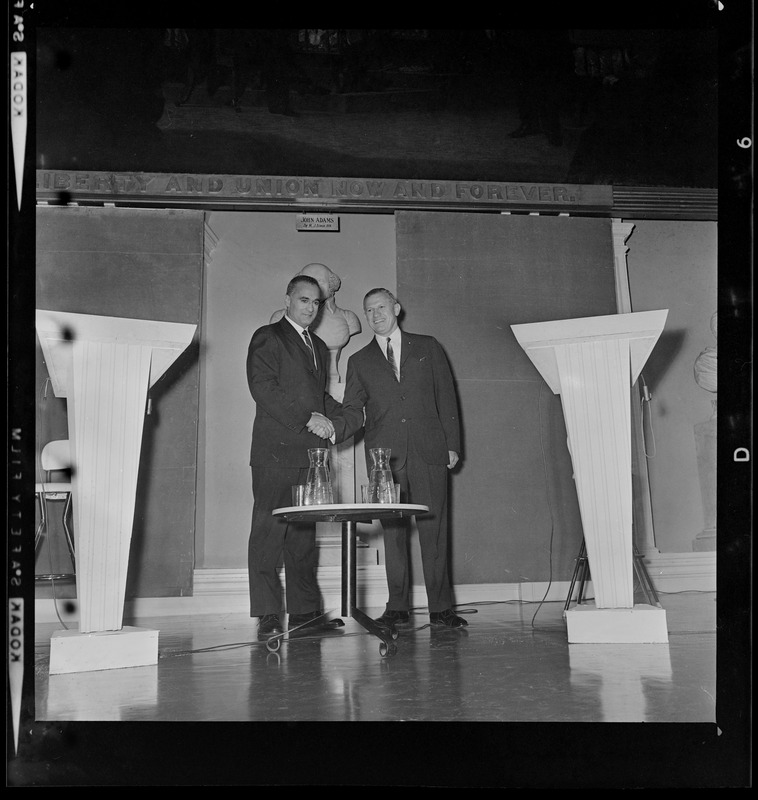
pixel 512 664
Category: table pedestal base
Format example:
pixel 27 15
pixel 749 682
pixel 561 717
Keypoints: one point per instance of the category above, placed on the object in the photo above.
pixel 349 586
pixel 349 514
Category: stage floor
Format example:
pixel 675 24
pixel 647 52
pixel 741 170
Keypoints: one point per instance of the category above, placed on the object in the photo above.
pixel 531 710
pixel 511 664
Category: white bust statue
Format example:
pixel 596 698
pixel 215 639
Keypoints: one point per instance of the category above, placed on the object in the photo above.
pixel 334 325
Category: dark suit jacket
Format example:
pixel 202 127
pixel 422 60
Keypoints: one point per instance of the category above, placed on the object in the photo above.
pixel 286 388
pixel 421 408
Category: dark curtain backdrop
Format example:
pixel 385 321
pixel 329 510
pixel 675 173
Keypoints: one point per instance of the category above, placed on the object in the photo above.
pixel 465 279
pixel 144 264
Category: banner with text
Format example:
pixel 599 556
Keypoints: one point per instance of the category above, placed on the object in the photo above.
pixel 74 185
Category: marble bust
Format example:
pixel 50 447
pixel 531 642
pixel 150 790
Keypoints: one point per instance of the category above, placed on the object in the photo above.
pixel 334 325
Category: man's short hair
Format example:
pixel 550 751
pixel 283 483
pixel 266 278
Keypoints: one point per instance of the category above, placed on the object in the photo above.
pixel 302 279
pixel 380 290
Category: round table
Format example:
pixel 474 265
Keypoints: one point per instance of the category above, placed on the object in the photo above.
pixel 349 514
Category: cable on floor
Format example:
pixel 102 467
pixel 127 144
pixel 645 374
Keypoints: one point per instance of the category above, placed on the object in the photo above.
pixel 255 643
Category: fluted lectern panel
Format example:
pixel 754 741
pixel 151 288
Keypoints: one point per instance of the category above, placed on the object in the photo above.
pixel 594 379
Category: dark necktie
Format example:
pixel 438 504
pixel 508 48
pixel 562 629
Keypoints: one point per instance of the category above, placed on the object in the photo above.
pixel 310 347
pixel 391 359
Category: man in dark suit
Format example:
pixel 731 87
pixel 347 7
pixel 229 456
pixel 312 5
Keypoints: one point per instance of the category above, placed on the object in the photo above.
pixel 287 371
pixel 410 407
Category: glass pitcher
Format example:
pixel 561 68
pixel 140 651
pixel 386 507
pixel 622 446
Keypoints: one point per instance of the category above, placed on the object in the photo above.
pixel 381 485
pixel 318 486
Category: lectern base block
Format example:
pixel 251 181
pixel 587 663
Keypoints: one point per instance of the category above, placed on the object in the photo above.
pixel 642 624
pixel 71 651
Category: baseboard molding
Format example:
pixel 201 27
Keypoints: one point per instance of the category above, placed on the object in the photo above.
pixel 682 572
pixel 225 591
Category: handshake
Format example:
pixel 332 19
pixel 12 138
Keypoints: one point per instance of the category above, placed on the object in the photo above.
pixel 321 426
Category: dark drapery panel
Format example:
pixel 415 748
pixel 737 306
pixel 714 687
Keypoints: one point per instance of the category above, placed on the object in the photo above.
pixel 465 279
pixel 144 264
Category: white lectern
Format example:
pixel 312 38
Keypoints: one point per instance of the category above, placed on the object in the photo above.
pixel 104 367
pixel 592 363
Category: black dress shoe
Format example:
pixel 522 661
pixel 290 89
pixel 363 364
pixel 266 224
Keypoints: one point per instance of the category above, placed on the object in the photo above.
pixel 447 618
pixel 269 625
pixel 391 618
pixel 300 619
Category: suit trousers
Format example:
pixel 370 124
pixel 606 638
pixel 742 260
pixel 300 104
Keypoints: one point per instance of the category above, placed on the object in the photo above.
pixel 423 484
pixel 274 541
